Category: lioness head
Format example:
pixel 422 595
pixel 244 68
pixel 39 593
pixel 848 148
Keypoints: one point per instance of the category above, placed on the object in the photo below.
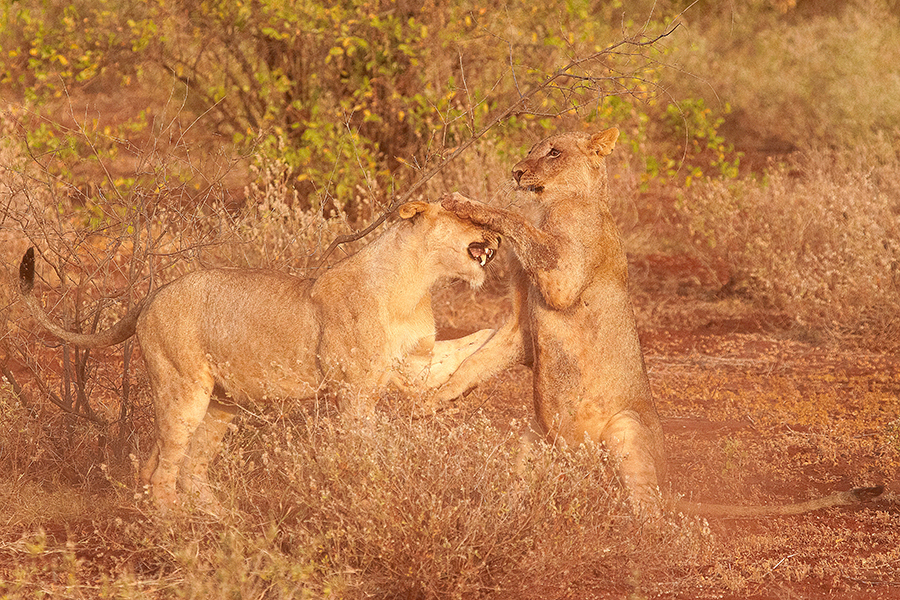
pixel 457 247
pixel 567 160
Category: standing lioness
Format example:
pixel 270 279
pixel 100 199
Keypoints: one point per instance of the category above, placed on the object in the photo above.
pixel 243 334
pixel 573 320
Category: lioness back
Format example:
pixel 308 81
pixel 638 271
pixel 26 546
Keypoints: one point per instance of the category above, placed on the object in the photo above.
pixel 242 326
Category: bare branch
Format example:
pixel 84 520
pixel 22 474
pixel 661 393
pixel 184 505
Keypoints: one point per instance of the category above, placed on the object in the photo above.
pixel 54 398
pixel 17 389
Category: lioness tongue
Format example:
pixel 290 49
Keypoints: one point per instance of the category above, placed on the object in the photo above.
pixel 479 254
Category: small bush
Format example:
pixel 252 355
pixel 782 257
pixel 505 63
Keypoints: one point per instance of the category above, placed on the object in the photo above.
pixel 796 73
pixel 820 241
pixel 425 508
pixel 352 94
pixel 318 506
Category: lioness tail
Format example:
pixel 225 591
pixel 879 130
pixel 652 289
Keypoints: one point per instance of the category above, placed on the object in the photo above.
pixel 854 496
pixel 121 331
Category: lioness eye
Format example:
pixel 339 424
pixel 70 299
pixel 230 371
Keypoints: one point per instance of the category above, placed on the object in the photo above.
pixel 553 153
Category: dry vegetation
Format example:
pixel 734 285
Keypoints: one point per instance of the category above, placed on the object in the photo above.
pixel 756 189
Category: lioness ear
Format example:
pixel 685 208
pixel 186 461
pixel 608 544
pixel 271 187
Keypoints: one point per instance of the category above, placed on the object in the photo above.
pixel 602 143
pixel 411 209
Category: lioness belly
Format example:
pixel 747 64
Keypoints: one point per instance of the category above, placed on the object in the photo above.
pixel 587 369
pixel 249 380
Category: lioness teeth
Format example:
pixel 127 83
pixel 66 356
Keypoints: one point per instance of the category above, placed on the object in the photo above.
pixel 481 255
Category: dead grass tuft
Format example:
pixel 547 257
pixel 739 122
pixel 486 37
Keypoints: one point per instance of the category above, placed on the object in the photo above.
pixel 428 508
pixel 817 239
pixel 324 506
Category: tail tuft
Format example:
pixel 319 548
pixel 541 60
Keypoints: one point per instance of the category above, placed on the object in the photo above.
pixel 864 494
pixel 26 272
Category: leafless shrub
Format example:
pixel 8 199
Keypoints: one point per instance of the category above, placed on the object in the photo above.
pixel 431 508
pixel 103 247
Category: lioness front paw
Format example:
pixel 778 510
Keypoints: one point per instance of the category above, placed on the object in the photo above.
pixel 453 202
pixel 463 208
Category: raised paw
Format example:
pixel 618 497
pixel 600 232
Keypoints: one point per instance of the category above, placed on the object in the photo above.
pixel 454 202
pixel 465 209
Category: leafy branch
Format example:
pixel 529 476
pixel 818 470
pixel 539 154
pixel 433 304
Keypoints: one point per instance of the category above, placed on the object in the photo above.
pixel 519 106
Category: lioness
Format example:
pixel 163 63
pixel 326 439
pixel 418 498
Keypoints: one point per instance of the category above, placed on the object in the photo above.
pixel 573 321
pixel 245 334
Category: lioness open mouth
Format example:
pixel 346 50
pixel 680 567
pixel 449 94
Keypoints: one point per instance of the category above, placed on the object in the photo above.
pixel 481 253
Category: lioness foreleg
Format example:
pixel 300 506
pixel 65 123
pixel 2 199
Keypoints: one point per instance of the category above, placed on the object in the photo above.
pixel 434 369
pixel 554 261
pixel 509 345
pixel 503 349
pixel 530 243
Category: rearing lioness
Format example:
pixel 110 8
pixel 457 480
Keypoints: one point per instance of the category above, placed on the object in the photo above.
pixel 573 321
pixel 243 334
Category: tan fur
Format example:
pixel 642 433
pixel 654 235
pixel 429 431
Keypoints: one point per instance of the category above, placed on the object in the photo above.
pixel 573 321
pixel 241 335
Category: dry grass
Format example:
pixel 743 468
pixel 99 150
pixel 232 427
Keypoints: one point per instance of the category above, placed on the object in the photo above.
pixel 316 506
pixel 818 239
pixel 319 507
pixel 814 72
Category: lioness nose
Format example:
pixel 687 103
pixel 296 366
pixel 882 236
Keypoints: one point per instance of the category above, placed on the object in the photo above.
pixel 517 174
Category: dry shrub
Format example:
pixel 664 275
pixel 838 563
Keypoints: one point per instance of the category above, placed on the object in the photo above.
pixel 274 228
pixel 433 508
pixel 99 250
pixel 317 505
pixel 820 240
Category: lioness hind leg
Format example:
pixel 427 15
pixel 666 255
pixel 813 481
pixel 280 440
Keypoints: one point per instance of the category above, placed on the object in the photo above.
pixel 634 446
pixel 205 443
pixel 181 405
pixel 150 464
